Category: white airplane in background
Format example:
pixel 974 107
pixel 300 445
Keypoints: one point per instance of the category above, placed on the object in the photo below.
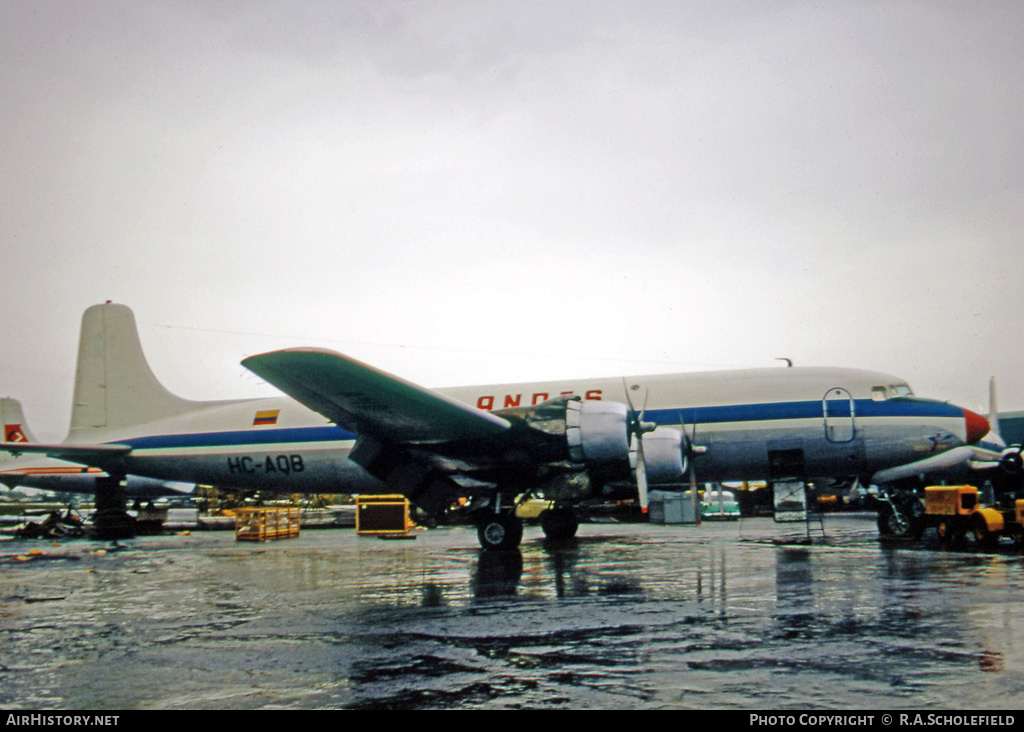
pixel 346 427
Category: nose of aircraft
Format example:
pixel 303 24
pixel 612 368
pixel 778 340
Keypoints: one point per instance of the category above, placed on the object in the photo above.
pixel 977 426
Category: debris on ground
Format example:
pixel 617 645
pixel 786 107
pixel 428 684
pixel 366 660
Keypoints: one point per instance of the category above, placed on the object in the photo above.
pixel 54 526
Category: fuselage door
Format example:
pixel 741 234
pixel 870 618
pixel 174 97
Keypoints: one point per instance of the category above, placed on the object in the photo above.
pixel 840 415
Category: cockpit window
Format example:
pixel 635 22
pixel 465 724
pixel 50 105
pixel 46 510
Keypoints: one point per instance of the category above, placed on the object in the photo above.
pixel 893 391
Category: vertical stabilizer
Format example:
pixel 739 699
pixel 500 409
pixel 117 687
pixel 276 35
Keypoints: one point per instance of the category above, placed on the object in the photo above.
pixel 993 441
pixel 993 411
pixel 114 386
pixel 13 420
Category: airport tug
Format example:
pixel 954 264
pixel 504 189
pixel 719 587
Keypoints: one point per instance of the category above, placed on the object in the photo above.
pixel 955 511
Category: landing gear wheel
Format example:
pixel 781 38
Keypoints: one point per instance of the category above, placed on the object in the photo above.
pixel 905 523
pixel 499 530
pixel 559 524
pixel 891 524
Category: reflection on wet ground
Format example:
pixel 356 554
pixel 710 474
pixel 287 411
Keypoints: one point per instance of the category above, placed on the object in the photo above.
pixel 722 616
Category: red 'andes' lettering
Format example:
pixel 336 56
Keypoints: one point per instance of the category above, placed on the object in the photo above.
pixel 514 400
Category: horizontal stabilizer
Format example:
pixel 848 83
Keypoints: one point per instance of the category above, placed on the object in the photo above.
pixel 368 401
pixel 105 457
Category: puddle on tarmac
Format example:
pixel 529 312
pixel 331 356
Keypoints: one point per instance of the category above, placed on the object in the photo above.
pixel 723 616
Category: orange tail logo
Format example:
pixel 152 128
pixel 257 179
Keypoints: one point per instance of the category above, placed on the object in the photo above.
pixel 13 433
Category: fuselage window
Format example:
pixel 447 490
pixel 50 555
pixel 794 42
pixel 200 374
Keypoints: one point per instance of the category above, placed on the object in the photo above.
pixel 900 390
pixel 879 393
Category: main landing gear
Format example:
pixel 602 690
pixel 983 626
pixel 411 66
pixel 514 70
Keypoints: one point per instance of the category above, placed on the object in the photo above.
pixel 499 530
pixel 503 530
pixel 559 523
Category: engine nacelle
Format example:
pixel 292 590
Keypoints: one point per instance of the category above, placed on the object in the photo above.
pixel 664 452
pixel 597 431
pixel 1011 461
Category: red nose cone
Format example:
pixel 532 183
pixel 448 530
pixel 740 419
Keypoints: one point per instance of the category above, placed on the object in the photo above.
pixel 977 426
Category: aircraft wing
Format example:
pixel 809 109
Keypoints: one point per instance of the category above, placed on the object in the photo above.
pixel 955 458
pixel 368 401
pixel 107 457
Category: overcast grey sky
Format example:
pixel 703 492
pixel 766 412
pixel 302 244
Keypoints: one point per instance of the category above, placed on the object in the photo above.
pixel 472 192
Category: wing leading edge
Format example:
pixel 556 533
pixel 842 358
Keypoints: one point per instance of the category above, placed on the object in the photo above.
pixel 372 402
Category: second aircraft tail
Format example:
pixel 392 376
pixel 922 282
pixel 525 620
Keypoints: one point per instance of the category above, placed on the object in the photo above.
pixel 13 420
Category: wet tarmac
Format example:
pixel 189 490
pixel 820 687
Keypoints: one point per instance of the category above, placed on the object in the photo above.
pixel 739 615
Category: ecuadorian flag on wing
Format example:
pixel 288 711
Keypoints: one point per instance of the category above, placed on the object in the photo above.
pixel 266 417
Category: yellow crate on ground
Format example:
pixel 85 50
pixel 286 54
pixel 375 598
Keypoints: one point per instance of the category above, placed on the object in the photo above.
pixel 266 524
pixel 382 515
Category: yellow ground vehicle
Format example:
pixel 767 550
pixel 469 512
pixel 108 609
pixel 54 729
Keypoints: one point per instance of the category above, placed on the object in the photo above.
pixel 532 508
pixel 955 511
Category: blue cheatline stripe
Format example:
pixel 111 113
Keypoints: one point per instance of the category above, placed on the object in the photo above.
pixel 326 433
pixel 737 413
pixel 803 410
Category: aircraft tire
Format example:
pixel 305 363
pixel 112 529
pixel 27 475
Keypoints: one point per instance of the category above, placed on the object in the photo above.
pixel 499 531
pixel 908 525
pixel 559 524
pixel 892 526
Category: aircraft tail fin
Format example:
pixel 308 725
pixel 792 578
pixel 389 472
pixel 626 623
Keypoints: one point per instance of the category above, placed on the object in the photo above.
pixel 993 412
pixel 114 386
pixel 15 427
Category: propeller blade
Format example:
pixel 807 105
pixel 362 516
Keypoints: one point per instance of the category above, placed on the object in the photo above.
pixel 692 451
pixel 629 400
pixel 693 494
pixel 637 428
pixel 641 477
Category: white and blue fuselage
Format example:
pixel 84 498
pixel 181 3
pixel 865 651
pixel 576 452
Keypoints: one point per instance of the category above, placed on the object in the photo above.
pixel 753 425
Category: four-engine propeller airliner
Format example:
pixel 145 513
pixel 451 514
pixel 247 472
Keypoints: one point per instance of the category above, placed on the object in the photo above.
pixel 346 427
